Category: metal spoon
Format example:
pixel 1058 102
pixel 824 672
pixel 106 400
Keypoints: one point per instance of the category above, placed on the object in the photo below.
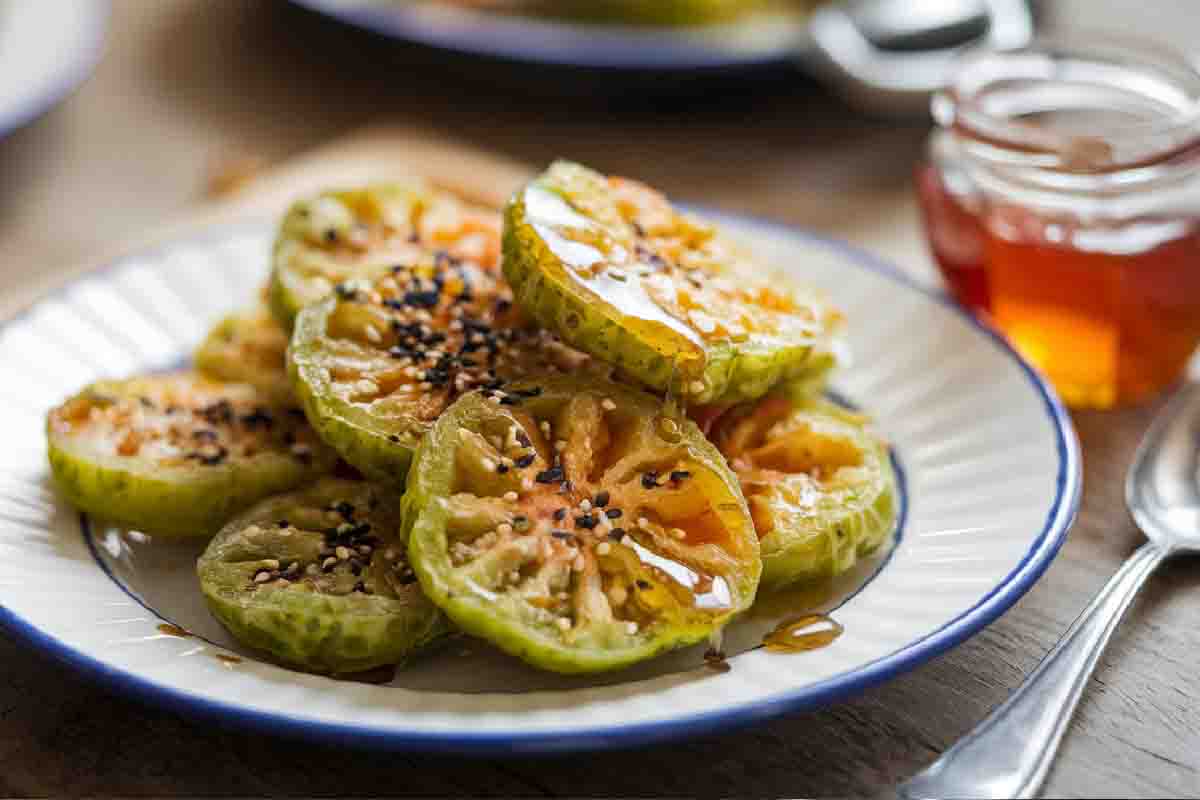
pixel 1009 754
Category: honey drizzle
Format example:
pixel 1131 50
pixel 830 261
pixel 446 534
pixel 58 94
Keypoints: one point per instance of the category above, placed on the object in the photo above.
pixel 790 636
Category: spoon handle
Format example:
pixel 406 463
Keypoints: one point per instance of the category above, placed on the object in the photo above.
pixel 1010 752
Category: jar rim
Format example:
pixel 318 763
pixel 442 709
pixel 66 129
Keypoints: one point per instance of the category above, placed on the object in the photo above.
pixel 997 97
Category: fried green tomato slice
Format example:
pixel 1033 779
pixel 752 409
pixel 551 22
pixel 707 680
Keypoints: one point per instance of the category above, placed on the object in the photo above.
pixel 354 233
pixel 178 455
pixel 319 579
pixel 247 347
pixel 375 363
pixel 819 484
pixel 612 267
pixel 579 526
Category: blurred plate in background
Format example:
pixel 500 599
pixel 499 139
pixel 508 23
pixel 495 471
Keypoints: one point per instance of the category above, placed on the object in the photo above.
pixel 47 48
pixel 768 38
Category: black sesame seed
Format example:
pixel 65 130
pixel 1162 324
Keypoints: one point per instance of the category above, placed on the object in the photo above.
pixel 564 535
pixel 613 513
pixel 524 461
pixel 586 521
pixel 502 468
pixel 641 584
pixel 345 509
pixel 601 500
pixel 680 474
pixel 650 480
pixel 523 440
pixel 616 534
pixel 345 291
pixel 393 438
pixel 560 515
pixel 361 587
pixel 566 487
pixel 550 475
pixel 283 523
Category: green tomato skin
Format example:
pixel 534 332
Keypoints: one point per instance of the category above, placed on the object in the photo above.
pixel 301 628
pixel 493 616
pixel 731 372
pixel 349 430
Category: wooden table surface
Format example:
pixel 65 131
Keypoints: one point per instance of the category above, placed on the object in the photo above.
pixel 187 84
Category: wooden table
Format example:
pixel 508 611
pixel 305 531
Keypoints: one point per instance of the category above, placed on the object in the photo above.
pixel 186 83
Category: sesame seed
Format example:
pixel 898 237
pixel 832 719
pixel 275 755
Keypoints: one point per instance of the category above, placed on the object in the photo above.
pixel 603 549
pixel 372 334
pixel 560 445
pixel 342 553
pixel 262 577
pixel 504 529
pixel 579 563
pixel 643 523
pixel 601 499
pixel 617 595
pixel 560 515
pixel 585 505
pixel 511 496
pixel 563 623
pixel 696 387
pixel 390 554
pixel 494 399
pixel 679 533
pixel 311 569
pixel 613 513
pixel 527 484
pixel 271 563
pixel 544 427
pixel 608 405
pixel 283 582
pixel 488 464
pixel 680 474
pixel 365 549
pixel 631 628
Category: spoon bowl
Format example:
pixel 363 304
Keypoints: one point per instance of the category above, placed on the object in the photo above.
pixel 1162 489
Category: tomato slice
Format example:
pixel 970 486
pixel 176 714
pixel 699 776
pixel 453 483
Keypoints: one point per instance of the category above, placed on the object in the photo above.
pixel 820 485
pixel 578 524
pixel 615 270
pixel 319 579
pixel 177 455
pixel 353 233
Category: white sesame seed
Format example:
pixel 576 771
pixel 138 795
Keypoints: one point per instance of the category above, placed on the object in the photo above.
pixel 311 569
pixel 608 405
pixel 585 505
pixel 511 496
pixel 527 484
pixel 253 530
pixel 425 386
pixel 283 582
pixel 271 563
pixel 643 523
pixel 494 399
pixel 488 464
pixel 560 445
pixel 364 549
pixel 329 562
pixel 372 334
pixel 342 552
pixel 544 427
pixel 679 533
pixel 631 628
pixel 563 623
pixel 514 576
pixel 696 387
pixel 603 549
pixel 504 529
pixel 390 554
pixel 262 577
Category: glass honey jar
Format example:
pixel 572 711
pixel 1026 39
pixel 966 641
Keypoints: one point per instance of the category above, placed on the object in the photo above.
pixel 1061 199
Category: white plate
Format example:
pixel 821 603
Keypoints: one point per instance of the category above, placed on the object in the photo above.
pixel 990 464
pixel 47 48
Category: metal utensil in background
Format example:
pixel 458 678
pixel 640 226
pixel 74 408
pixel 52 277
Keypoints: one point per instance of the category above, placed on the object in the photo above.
pixel 890 56
pixel 1009 754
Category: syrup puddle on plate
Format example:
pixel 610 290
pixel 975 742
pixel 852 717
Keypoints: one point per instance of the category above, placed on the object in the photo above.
pixel 803 633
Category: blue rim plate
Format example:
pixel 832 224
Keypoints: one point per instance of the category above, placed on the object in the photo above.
pixel 758 41
pixel 993 477
pixel 47 49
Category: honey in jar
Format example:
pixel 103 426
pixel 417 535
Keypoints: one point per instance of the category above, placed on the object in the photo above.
pixel 1062 200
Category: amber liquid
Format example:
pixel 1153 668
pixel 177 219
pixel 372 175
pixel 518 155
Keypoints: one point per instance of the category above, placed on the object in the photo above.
pixel 1111 316
pixel 803 633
